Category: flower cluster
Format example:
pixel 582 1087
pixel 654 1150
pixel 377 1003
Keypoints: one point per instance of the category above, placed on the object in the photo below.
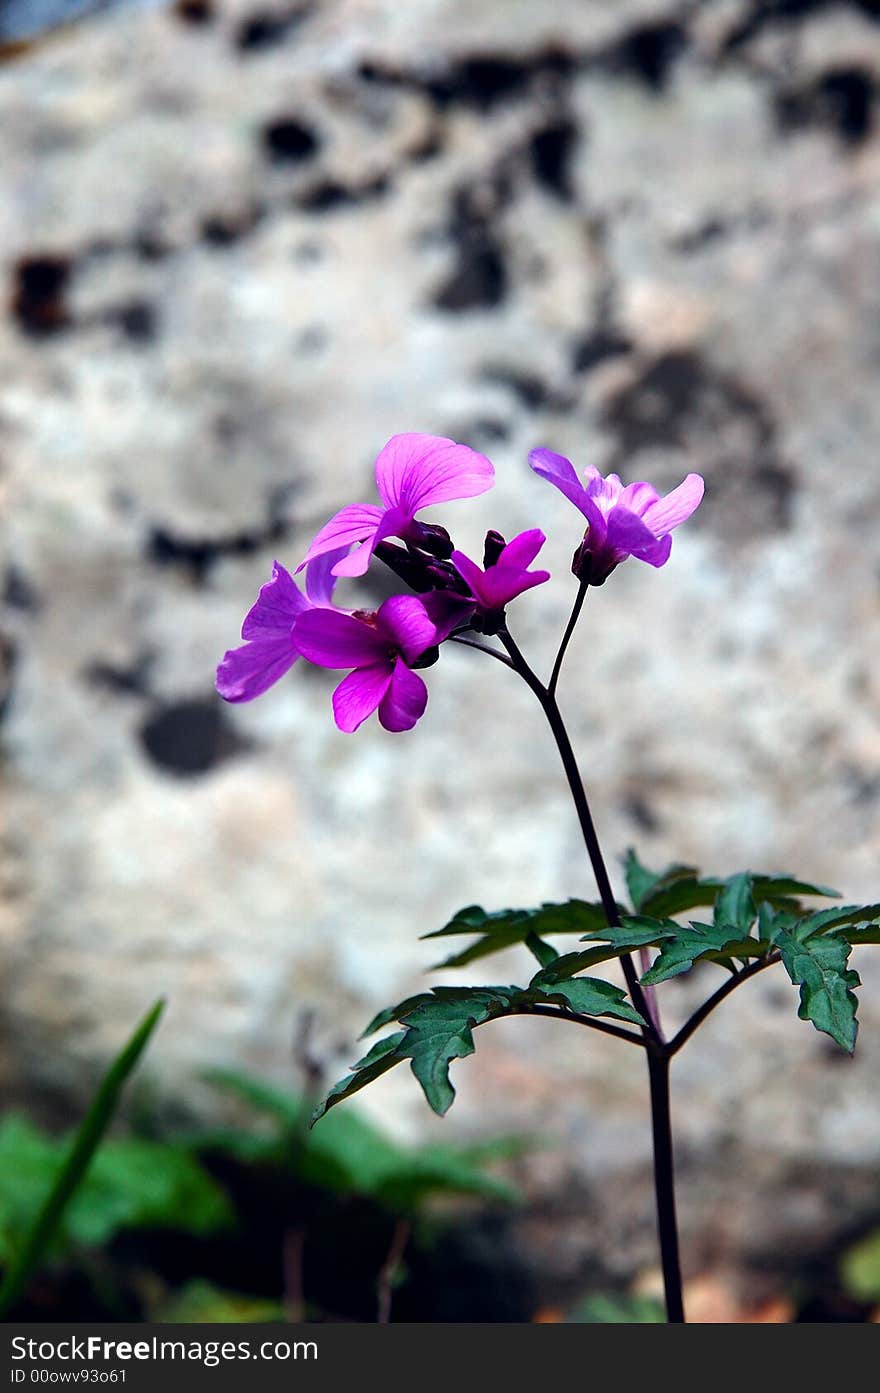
pixel 450 594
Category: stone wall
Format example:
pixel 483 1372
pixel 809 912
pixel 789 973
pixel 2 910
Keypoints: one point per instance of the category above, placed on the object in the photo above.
pixel 241 246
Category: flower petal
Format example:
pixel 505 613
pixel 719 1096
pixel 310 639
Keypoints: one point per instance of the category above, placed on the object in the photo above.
pixel 447 611
pixel 676 507
pixel 391 523
pixel 320 580
pixel 277 606
pixel 249 671
pixel 629 535
pixel 332 639
pixel 501 584
pixel 358 695
pixel 403 621
pixel 639 497
pixel 470 572
pixel 522 550
pixel 559 471
pixel 352 524
pixel 404 701
pixel 413 470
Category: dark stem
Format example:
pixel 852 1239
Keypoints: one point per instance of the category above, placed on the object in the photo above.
pixel 566 637
pixel 592 1024
pixel 481 648
pixel 716 998
pixel 582 807
pixel 390 1269
pixel 664 1185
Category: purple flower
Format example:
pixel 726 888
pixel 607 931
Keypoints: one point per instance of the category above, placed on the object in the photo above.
pixel 382 649
pixel 270 649
pixel 412 471
pixel 505 577
pixel 621 521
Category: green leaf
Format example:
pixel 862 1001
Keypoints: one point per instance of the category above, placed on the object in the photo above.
pixel 618 1310
pixel 46 1222
pixel 507 927
pixel 694 893
pixel 869 935
pixel 636 931
pixel 570 964
pixel 441 1031
pixel 439 1026
pixel 734 905
pixel 543 953
pixel 376 1062
pixel 201 1303
pixel 697 941
pixel 640 882
pixel 839 917
pixel 588 996
pixel 860 1268
pixel 817 963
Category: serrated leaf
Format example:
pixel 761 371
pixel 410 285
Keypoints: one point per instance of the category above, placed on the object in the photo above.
pixel 734 905
pixel 695 893
pixel 641 882
pixel 543 953
pixel 441 1031
pixel 817 963
pixel 588 996
pixel 507 927
pixel 635 931
pixel 382 1057
pixel 838 917
pixel 570 964
pixel 871 934
pixel 693 942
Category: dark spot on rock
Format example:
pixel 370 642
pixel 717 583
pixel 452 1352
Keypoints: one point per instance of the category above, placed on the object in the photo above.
pixel 639 811
pixel 330 194
pixel 594 348
pixel 764 13
pixel 428 148
pixel 133 680
pixel 196 555
pixel 224 229
pixel 18 592
pixel 136 319
pixel 479 278
pixel 551 149
pixel 526 386
pixel 289 140
pixel 841 99
pixel 149 245
pixel 194 11
pixel 39 291
pixel 482 80
pixel 719 426
pixel 649 51
pixel 8 664
pixel 712 230
pixel 264 29
pixel 189 737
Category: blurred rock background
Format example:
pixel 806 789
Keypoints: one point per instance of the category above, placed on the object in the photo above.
pixel 245 241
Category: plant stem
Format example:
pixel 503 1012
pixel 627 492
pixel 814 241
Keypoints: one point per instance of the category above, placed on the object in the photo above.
pixel 481 648
pixel 664 1184
pixel 566 637
pixel 585 818
pixel 716 998
pixel 554 1013
pixel 390 1269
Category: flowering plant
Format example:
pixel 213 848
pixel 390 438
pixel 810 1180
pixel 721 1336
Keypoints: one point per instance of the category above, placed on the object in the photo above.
pixel 757 920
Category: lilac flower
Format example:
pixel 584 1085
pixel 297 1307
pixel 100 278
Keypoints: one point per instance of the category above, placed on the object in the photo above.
pixel 621 521
pixel 412 471
pixel 506 573
pixel 270 649
pixel 382 649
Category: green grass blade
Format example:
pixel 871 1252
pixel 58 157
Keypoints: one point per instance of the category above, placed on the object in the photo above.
pixel 85 1144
